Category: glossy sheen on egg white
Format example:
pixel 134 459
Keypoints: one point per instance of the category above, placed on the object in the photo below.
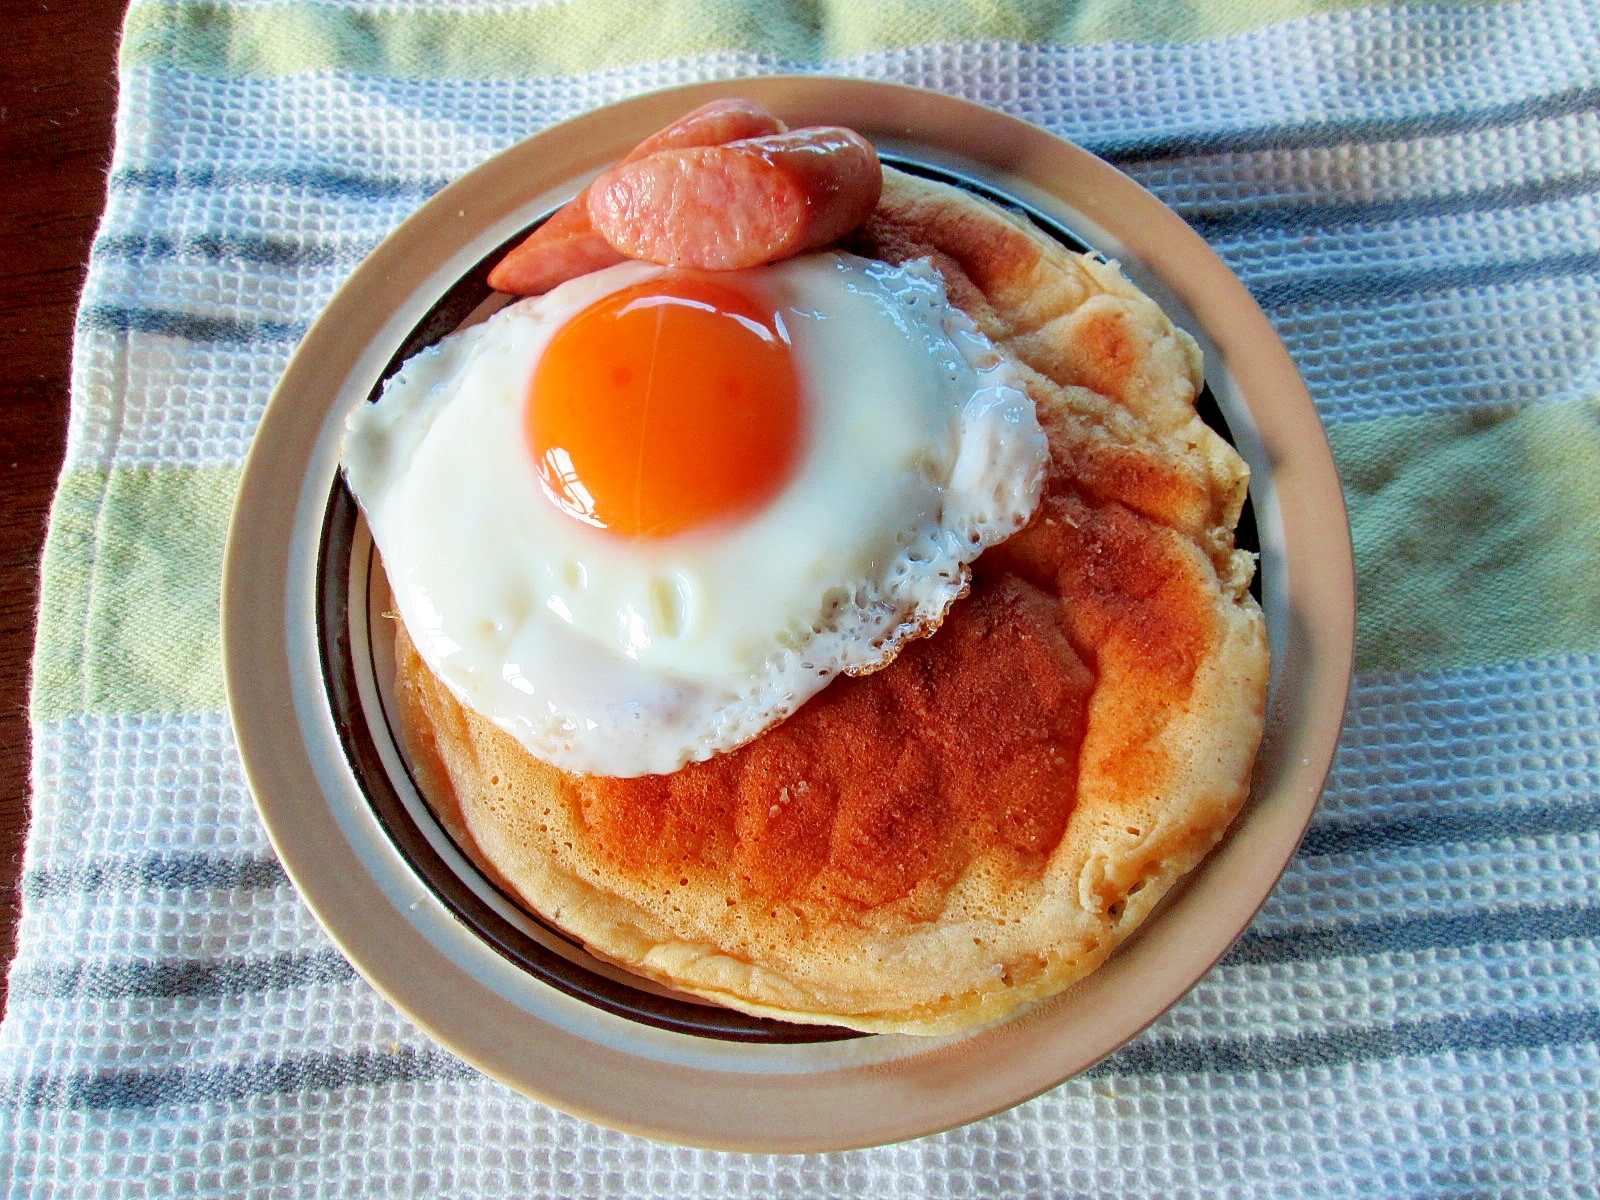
pixel 620 656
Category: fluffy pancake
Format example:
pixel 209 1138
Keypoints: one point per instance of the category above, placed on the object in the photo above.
pixel 978 824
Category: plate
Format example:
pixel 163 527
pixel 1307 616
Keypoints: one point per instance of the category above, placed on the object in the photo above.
pixel 306 676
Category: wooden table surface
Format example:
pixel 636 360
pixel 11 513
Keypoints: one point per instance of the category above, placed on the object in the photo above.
pixel 57 100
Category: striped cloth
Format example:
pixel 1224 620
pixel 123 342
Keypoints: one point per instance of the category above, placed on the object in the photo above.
pixel 1413 193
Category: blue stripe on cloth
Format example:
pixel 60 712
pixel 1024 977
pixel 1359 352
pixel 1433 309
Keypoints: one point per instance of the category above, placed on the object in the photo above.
pixel 1377 283
pixel 1340 132
pixel 1464 825
pixel 191 327
pixel 1452 826
pixel 179 978
pixel 230 1083
pixel 1323 286
pixel 173 978
pixel 1258 214
pixel 172 872
pixel 1334 1047
pixel 1254 216
pixel 268 251
pixel 1407 934
pixel 331 181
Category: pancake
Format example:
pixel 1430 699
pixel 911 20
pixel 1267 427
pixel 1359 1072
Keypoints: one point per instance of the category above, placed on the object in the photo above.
pixel 978 824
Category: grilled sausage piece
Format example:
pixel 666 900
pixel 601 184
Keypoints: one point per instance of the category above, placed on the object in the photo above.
pixel 740 204
pixel 567 245
pixel 713 124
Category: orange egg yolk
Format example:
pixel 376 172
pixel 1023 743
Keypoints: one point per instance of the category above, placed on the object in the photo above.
pixel 666 406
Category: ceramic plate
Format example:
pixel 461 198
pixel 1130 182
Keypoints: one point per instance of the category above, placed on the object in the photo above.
pixel 308 675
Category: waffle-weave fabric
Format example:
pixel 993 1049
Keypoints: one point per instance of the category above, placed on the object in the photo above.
pixel 1412 191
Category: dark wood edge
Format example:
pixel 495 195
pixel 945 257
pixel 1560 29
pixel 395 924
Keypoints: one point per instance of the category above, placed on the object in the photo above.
pixel 58 96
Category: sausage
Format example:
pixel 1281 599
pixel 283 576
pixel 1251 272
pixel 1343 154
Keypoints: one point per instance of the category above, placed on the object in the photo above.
pixel 567 244
pixel 726 207
pixel 563 248
pixel 713 124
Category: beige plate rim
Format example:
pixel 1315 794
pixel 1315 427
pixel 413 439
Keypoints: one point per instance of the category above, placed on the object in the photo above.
pixel 770 1099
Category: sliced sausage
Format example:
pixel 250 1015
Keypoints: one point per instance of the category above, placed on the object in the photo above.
pixel 712 124
pixel 563 248
pixel 567 245
pixel 726 207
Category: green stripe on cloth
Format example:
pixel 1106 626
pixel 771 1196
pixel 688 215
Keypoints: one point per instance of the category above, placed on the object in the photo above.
pixel 1477 536
pixel 128 618
pixel 563 39
pixel 582 35
pixel 1477 541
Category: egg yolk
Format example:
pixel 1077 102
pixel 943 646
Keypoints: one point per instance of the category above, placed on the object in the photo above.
pixel 665 406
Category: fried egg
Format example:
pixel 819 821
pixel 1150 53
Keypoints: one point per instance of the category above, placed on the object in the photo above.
pixel 641 518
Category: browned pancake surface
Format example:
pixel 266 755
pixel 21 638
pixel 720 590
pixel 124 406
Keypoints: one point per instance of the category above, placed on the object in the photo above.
pixel 980 822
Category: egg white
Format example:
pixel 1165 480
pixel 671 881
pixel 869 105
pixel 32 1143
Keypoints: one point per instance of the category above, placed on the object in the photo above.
pixel 617 656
